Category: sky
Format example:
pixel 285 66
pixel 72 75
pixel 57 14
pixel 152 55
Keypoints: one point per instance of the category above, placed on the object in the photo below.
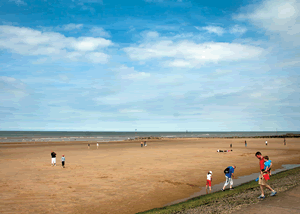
pixel 150 65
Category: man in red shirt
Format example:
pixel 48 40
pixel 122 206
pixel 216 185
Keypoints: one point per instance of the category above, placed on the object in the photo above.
pixel 262 182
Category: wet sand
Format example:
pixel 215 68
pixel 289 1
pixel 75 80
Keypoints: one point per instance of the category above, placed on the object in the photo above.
pixel 123 177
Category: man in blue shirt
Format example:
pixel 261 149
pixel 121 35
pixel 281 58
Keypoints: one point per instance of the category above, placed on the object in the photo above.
pixel 229 176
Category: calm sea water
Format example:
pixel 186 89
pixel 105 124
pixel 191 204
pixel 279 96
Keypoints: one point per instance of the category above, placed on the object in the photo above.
pixel 19 136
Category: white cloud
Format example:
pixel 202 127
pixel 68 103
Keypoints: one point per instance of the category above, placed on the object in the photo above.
pixel 255 95
pixel 30 42
pixel 72 26
pixel 131 73
pixel 277 17
pixel 12 90
pixel 188 53
pixel 150 34
pixel 237 30
pixel 7 79
pixel 18 2
pixel 213 29
pixel 136 76
pixel 90 43
pixel 179 63
pixel 99 32
pixel 97 57
pixel 40 61
pixel 290 63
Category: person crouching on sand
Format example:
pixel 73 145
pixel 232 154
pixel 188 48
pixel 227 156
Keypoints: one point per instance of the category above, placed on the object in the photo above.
pixel 63 159
pixel 262 181
pixel 208 181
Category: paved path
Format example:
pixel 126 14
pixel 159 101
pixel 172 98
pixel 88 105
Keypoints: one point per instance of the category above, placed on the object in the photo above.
pixel 287 202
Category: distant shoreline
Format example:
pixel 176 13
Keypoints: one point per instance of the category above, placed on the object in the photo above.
pixel 65 140
pixel 270 136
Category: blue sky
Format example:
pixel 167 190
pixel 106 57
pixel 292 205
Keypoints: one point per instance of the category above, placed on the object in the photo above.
pixel 150 65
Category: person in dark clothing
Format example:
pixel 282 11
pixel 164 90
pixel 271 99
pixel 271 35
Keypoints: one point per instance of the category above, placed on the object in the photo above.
pixel 53 158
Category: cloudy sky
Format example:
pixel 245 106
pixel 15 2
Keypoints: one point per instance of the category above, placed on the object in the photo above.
pixel 150 65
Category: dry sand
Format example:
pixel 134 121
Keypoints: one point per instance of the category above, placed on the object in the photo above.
pixel 123 177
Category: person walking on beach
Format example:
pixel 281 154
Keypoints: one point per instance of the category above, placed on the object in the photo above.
pixel 88 146
pixel 245 143
pixel 142 144
pixel 63 159
pixel 208 181
pixel 266 142
pixel 229 176
pixel 261 180
pixel 53 158
pixel 284 142
pixel 97 145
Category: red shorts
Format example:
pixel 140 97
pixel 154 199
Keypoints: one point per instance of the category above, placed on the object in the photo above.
pixel 208 182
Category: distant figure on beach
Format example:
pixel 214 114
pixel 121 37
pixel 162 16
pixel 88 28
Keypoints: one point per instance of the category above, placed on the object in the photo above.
pixel 229 176
pixel 266 143
pixel 219 150
pixel 97 145
pixel 268 165
pixel 284 142
pixel 53 158
pixel 88 146
pixel 231 145
pixel 245 143
pixel 145 143
pixel 208 181
pixel 63 159
pixel 142 144
pixel 262 177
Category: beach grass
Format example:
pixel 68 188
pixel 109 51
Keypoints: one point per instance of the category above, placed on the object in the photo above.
pixel 212 198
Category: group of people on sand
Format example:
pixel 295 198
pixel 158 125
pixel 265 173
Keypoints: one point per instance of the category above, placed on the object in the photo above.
pixel 53 159
pixel 143 143
pixel 265 165
pixel 219 150
pixel 266 142
pixel 90 145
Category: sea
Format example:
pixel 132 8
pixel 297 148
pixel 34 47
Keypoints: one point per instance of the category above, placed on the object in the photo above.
pixel 47 136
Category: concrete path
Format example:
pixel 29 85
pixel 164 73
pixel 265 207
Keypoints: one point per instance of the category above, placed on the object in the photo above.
pixel 287 202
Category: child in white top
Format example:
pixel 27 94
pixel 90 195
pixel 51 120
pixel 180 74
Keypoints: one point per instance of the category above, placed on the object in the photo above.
pixel 208 181
pixel 63 159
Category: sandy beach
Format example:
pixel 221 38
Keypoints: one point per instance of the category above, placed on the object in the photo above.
pixel 122 177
